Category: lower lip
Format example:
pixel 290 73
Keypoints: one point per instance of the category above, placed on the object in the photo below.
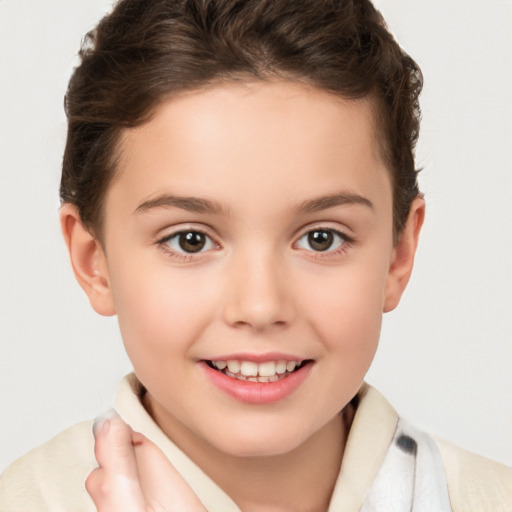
pixel 257 392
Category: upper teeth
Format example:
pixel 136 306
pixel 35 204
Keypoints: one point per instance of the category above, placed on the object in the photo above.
pixel 252 369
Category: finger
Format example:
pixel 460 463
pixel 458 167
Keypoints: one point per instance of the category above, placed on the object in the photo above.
pixel 113 446
pixel 112 493
pixel 114 486
pixel 163 487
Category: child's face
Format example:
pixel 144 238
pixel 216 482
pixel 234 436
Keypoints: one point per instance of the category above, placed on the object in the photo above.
pixel 288 210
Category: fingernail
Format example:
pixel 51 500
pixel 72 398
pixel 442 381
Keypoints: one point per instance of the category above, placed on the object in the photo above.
pixel 102 422
pixel 100 427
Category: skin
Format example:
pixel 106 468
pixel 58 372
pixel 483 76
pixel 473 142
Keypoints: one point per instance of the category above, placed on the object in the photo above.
pixel 258 152
pixel 134 475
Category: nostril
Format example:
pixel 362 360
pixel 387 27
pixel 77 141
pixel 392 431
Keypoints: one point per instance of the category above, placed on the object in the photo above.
pixel 259 324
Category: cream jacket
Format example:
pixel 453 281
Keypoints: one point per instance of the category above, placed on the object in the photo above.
pixel 381 455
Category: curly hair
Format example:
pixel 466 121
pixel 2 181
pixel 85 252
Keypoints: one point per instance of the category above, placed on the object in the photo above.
pixel 146 51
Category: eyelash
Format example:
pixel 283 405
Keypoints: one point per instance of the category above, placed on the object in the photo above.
pixel 346 243
pixel 162 243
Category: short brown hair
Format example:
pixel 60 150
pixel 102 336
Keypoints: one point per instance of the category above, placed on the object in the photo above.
pixel 145 51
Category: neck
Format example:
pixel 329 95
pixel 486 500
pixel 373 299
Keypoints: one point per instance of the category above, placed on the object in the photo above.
pixel 301 480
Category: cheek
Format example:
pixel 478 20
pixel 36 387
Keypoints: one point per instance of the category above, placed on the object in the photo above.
pixel 160 311
pixel 347 311
pixel 348 321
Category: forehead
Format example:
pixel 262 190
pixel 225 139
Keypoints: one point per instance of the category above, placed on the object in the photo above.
pixel 252 140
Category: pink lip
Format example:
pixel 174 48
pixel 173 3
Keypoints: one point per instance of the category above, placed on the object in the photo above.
pixel 257 392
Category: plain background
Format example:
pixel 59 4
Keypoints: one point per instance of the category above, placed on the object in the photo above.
pixel 445 356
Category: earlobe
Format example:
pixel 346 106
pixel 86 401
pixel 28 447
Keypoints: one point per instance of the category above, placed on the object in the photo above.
pixel 88 260
pixel 402 260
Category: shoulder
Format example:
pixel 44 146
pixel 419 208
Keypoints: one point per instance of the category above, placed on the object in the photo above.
pixel 52 474
pixel 475 483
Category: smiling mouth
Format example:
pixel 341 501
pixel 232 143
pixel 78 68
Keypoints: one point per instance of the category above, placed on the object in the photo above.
pixel 269 371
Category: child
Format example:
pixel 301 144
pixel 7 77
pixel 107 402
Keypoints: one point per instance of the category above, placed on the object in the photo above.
pixel 239 189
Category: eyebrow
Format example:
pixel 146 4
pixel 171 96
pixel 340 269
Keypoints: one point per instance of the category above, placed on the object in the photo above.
pixel 190 204
pixel 329 201
pixel 207 206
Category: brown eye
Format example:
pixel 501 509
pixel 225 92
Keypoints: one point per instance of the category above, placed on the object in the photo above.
pixel 189 242
pixel 321 240
pixel 193 241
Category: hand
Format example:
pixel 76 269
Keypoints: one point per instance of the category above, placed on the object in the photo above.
pixel 134 475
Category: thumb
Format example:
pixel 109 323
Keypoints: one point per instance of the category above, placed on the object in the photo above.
pixel 114 485
pixel 113 449
pixel 163 487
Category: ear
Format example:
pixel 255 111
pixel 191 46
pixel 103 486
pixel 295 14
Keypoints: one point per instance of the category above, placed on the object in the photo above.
pixel 88 260
pixel 402 259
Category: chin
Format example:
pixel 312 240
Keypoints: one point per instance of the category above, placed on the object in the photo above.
pixel 253 442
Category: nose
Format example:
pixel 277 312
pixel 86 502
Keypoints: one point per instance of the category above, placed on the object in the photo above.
pixel 258 294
